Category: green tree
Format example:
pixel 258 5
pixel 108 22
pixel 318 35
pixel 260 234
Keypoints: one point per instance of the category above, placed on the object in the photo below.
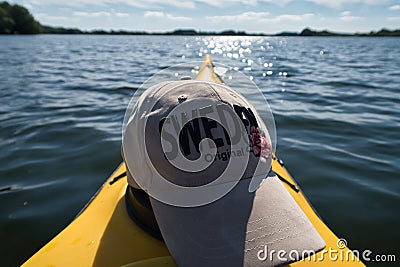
pixel 17 19
pixel 7 23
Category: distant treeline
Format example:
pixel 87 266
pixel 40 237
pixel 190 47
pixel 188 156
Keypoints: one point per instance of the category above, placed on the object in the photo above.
pixel 309 32
pixel 16 19
pixel 189 32
pixel 60 30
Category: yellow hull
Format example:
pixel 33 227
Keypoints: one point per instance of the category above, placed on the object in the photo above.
pixel 104 235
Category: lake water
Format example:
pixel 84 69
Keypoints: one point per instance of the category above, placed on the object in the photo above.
pixel 336 103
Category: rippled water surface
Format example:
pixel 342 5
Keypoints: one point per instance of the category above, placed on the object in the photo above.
pixel 336 103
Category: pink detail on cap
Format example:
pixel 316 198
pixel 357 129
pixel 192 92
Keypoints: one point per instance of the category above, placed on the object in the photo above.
pixel 261 146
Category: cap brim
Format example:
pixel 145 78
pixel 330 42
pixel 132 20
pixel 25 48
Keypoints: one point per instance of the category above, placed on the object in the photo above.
pixel 240 229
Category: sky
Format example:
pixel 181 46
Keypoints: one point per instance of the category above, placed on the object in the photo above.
pixel 264 16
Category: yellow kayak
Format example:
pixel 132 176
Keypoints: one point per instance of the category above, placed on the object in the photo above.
pixel 105 235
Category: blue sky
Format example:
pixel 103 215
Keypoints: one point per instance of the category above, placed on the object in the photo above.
pixel 268 16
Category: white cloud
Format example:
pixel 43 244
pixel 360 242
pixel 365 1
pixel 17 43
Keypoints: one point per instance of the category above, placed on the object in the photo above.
pixel 151 3
pixel 278 2
pixel 175 3
pixel 154 14
pixel 287 17
pixel 100 14
pixel 394 8
pixel 333 3
pixel 393 18
pixel 45 17
pixel 134 3
pixel 74 3
pixel 92 14
pixel 339 3
pixel 121 15
pixel 329 3
pixel 349 18
pixel 261 17
pixel 28 6
pixel 345 13
pixel 159 14
pixel 224 3
pixel 178 18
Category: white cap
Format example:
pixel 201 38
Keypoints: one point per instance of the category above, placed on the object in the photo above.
pixel 203 154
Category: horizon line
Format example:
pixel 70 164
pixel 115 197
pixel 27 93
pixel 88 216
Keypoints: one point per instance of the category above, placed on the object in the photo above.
pixel 308 31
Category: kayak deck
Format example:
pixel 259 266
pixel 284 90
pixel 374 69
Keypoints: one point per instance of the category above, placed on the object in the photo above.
pixel 104 235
